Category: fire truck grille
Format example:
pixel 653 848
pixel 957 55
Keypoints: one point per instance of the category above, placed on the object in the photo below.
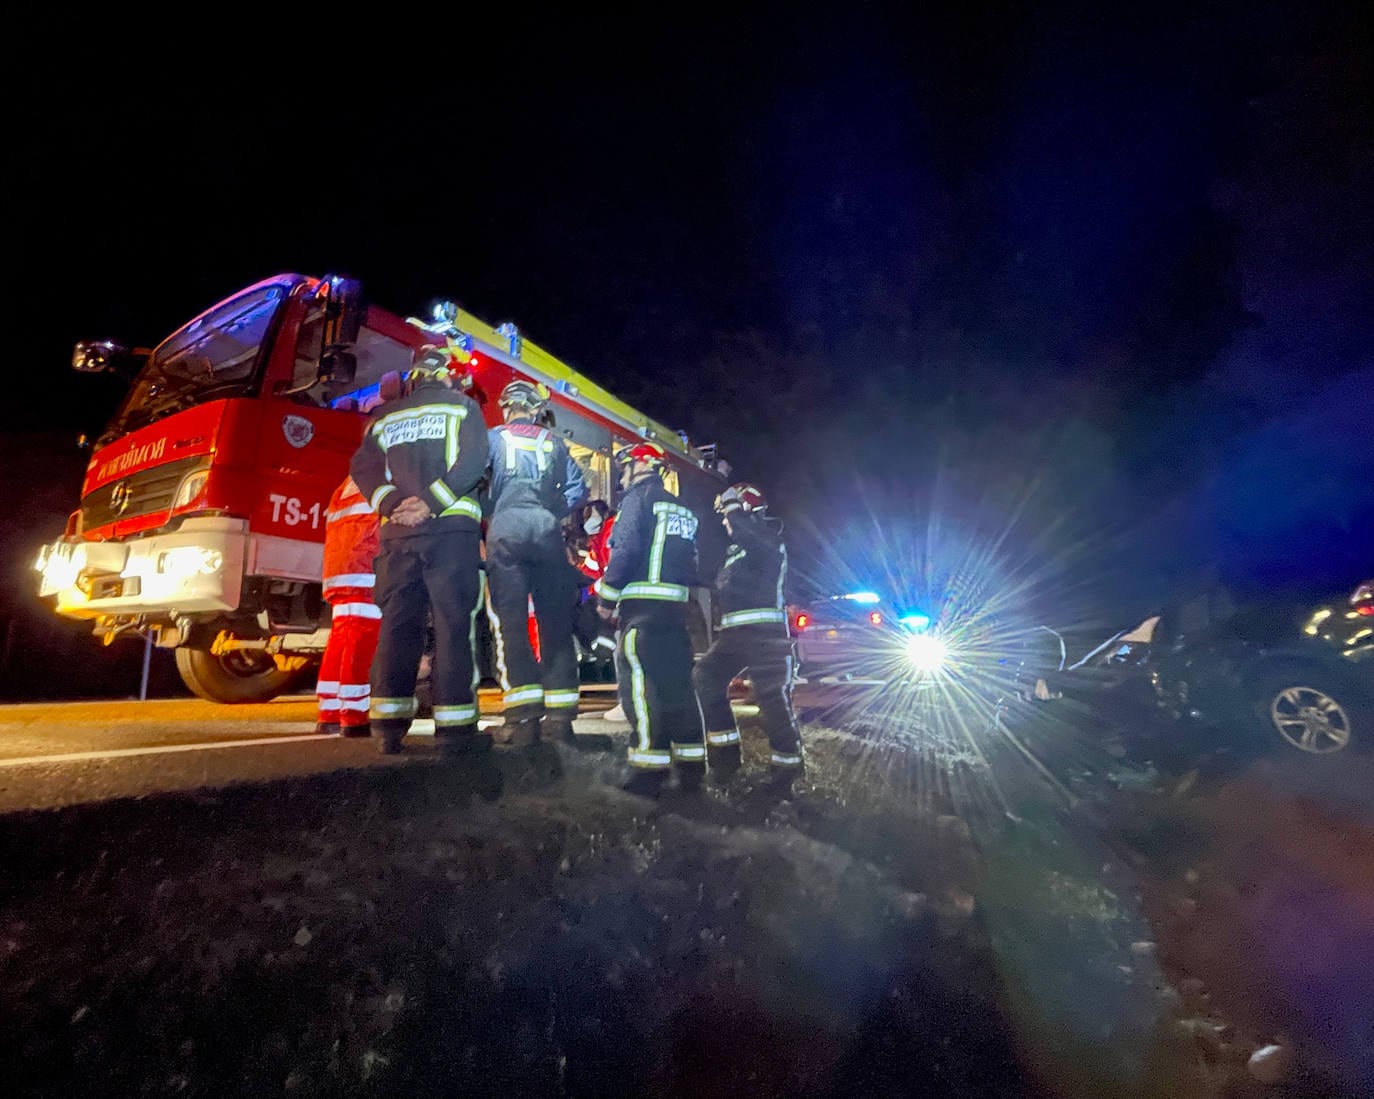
pixel 142 493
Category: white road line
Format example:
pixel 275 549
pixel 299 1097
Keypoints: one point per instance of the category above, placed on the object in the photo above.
pixel 117 753
pixel 421 727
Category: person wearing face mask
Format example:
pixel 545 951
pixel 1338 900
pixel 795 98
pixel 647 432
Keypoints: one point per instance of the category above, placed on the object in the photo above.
pixel 595 634
pixel 597 523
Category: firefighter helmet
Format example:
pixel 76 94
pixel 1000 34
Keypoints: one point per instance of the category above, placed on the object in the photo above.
pixel 651 453
pixel 439 362
pixel 741 497
pixel 526 397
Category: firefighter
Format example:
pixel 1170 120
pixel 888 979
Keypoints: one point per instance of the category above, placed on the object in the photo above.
pixel 646 584
pixel 535 484
pixel 753 636
pixel 421 464
pixel 350 547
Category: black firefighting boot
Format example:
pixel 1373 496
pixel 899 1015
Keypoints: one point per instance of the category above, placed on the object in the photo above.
pixel 389 735
pixel 724 762
pixel 557 728
pixel 359 731
pixel 780 781
pixel 689 775
pixel 462 743
pixel 561 729
pixel 519 727
pixel 326 728
pixel 646 784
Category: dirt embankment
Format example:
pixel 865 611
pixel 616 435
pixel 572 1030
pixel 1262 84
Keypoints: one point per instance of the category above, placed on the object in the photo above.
pixel 388 932
pixel 1260 886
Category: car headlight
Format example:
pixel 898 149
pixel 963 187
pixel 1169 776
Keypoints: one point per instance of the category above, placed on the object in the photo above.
pixel 926 653
pixel 189 560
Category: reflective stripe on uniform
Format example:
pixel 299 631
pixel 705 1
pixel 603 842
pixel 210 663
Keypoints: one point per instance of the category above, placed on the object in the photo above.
pixel 344 513
pixel 689 751
pixel 354 690
pixel 354 705
pixel 541 446
pixel 472 630
pixel 466 506
pixel 603 643
pixel 351 580
pixel 327 687
pixel 357 610
pixel 734 557
pixel 605 591
pixel 785 759
pixel 561 699
pixel 654 759
pixel 497 637
pixel 518 696
pixel 392 707
pixel 638 700
pixel 443 493
pixel 383 491
pixel 449 716
pixel 752 617
pixel 728 736
pixel 664 510
pixel 641 589
pixel 329 705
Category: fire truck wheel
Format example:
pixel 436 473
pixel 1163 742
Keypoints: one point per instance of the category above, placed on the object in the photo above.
pixel 242 676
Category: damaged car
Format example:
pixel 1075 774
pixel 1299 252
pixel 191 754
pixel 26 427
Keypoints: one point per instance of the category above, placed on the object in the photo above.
pixel 1300 675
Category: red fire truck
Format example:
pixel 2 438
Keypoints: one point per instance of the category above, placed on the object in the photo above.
pixel 202 511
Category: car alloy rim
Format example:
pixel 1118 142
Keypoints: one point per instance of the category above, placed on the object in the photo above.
pixel 1310 720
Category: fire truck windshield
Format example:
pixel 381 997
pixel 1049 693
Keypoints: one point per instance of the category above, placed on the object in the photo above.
pixel 214 356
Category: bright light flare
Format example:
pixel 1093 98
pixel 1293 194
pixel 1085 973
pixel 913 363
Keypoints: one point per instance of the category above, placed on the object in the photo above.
pixel 926 653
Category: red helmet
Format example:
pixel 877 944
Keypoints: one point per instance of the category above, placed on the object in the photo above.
pixel 741 497
pixel 652 453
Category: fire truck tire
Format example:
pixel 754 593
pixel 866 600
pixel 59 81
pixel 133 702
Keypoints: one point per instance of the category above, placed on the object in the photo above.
pixel 242 676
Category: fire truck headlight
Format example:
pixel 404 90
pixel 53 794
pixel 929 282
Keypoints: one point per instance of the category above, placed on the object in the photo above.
pixel 59 563
pixel 192 485
pixel 927 654
pixel 189 561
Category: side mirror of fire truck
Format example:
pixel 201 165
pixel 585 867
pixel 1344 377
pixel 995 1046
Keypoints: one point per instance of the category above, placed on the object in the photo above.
pixel 108 357
pixel 344 320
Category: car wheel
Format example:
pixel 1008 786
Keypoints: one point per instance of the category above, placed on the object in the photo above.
pixel 1312 711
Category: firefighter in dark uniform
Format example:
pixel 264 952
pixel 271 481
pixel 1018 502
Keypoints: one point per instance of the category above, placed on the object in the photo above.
pixel 421 463
pixel 753 636
pixel 534 485
pixel 647 581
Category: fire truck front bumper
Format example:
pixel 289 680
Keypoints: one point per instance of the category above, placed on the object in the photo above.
pixel 195 569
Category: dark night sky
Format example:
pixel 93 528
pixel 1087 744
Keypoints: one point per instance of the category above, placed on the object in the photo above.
pixel 898 257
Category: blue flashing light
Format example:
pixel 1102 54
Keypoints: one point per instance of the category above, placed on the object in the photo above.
pixel 865 597
pixel 915 621
pixel 363 397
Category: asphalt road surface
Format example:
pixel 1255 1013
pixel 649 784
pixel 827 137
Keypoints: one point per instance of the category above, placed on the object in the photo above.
pixel 68 753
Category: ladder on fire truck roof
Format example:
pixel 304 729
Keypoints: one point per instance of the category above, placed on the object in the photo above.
pixel 505 344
